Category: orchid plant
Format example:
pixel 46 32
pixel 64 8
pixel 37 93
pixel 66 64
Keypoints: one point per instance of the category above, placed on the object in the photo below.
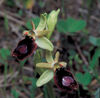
pixel 39 37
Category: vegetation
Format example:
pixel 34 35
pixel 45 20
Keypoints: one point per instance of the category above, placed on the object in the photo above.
pixel 39 43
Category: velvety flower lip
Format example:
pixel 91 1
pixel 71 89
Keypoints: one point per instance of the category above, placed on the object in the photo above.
pixel 24 48
pixel 64 80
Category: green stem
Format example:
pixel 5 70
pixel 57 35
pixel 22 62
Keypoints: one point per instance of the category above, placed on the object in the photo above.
pixel 48 90
pixel 5 78
pixel 78 92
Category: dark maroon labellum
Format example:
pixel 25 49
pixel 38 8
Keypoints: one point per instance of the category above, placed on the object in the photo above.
pixel 24 48
pixel 65 80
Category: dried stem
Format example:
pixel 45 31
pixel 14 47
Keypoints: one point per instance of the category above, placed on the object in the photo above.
pixel 81 54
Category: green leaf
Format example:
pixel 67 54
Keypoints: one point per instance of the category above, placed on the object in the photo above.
pixel 32 87
pixel 70 25
pixel 94 40
pixel 41 3
pixel 10 3
pixel 4 53
pixel 45 78
pixel 61 26
pixel 95 58
pixel 89 3
pixel 33 80
pixel 83 79
pixel 49 57
pixel 20 12
pixel 15 93
pixel 22 62
pixel 42 23
pixel 44 43
pixel 35 20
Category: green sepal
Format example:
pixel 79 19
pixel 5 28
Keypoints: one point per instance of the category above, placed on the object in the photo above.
pixel 42 23
pixel 51 21
pixel 45 78
pixel 44 43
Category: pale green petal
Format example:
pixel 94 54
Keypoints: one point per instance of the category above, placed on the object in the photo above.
pixel 44 65
pixel 57 56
